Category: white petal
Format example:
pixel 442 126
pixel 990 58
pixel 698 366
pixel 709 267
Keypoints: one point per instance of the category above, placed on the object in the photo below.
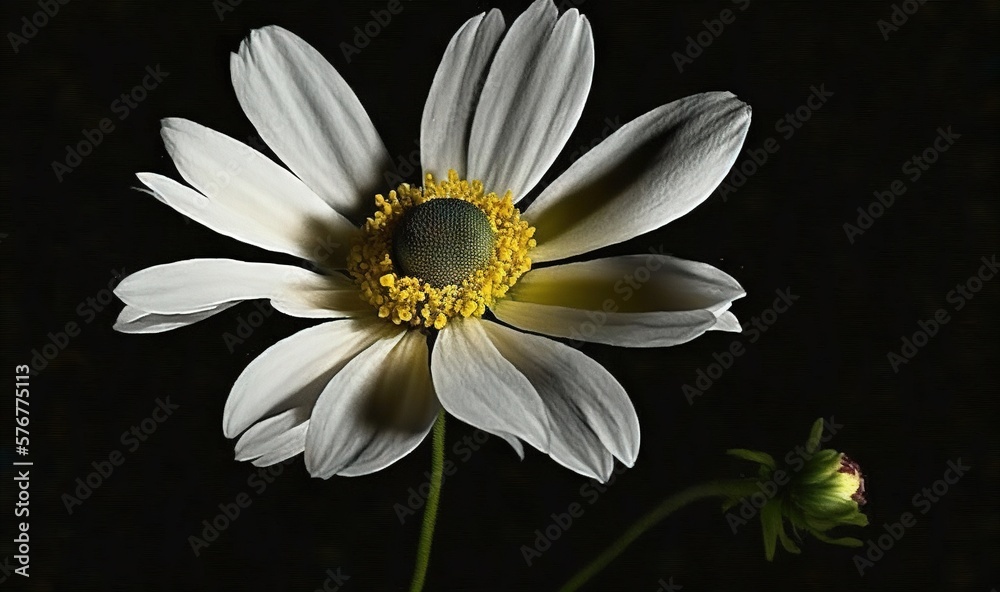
pixel 136 320
pixel 294 371
pixel 728 322
pixel 450 106
pixel 311 118
pixel 632 301
pixel 349 433
pixel 514 443
pixel 197 285
pixel 478 386
pixel 590 415
pixel 532 99
pixel 663 329
pixel 247 183
pixel 218 216
pixel 323 303
pixel 653 170
pixel 275 439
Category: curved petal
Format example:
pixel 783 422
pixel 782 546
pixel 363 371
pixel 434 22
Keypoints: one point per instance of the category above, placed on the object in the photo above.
pixel 220 217
pixel 197 285
pixel 451 103
pixel 514 443
pixel 311 118
pixel 632 301
pixel 136 320
pixel 293 372
pixel 478 386
pixel 359 424
pixel 533 97
pixel 727 322
pixel 654 169
pixel 590 416
pixel 245 182
pixel 275 439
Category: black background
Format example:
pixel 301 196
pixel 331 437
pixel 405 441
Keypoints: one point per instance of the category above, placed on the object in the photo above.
pixel 63 242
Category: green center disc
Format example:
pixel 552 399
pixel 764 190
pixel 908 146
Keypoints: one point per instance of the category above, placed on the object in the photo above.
pixel 442 241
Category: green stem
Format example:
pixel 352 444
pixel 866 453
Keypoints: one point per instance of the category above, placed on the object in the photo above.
pixel 729 488
pixel 431 509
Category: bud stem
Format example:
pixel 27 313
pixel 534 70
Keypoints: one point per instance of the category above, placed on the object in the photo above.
pixel 731 488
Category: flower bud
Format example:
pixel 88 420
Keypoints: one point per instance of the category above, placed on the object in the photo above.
pixel 825 489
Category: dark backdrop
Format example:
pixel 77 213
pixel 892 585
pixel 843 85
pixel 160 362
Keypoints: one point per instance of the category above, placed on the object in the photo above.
pixel 63 241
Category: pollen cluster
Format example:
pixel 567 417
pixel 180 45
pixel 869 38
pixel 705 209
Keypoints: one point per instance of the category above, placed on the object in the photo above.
pixel 414 301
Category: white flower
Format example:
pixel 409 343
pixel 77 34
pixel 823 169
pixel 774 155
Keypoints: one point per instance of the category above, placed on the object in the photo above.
pixel 358 393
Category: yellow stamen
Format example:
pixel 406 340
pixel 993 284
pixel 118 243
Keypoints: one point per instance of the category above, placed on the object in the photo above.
pixel 413 301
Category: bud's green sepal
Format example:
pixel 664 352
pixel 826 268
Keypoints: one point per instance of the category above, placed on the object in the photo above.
pixel 827 490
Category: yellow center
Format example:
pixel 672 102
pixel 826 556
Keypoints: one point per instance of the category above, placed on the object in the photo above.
pixel 426 301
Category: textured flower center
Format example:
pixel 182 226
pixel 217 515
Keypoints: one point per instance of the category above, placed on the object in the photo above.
pixel 446 250
pixel 442 241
